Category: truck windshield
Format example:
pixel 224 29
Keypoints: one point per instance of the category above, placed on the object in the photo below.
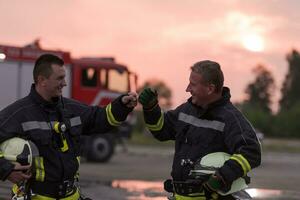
pixel 118 80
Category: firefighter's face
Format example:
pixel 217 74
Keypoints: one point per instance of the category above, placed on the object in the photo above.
pixel 54 84
pixel 199 89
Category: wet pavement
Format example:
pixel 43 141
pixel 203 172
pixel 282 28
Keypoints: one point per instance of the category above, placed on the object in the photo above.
pixel 138 174
pixel 153 190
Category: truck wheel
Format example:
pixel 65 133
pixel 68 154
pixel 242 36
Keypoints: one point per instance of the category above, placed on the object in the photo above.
pixel 100 148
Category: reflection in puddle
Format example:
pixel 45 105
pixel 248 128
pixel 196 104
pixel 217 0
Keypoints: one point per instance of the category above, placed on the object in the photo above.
pixel 263 193
pixel 142 190
pixel 146 190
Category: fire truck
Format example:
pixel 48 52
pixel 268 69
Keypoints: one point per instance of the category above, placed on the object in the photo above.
pixel 91 80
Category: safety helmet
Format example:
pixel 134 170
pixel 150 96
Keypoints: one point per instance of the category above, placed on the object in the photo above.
pixel 209 164
pixel 19 150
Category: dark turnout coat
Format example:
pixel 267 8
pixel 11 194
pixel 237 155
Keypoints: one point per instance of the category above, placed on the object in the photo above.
pixel 197 132
pixel 33 118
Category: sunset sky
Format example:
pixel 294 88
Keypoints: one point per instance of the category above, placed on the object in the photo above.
pixel 161 39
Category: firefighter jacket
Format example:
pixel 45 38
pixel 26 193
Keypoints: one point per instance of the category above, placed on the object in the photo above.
pixel 33 118
pixel 198 132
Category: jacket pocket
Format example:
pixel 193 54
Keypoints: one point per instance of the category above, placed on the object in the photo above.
pixel 40 137
pixel 203 137
pixel 75 131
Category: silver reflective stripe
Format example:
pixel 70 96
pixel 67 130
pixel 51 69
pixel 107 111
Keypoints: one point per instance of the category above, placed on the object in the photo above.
pixel 75 121
pixel 31 125
pixel 216 125
pixel 35 125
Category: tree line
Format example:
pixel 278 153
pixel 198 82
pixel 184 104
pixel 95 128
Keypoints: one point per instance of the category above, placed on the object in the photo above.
pixel 257 106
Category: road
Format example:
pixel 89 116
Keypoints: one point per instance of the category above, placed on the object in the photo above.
pixel 138 174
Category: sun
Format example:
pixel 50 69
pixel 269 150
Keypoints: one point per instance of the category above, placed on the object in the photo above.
pixel 253 42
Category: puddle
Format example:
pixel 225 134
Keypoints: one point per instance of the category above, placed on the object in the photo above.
pixel 273 194
pixel 151 190
pixel 146 190
pixel 142 190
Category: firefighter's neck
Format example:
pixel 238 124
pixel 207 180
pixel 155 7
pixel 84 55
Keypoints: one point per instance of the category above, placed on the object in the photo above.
pixel 211 99
pixel 41 91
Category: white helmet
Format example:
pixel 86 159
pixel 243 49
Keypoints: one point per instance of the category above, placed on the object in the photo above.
pixel 209 164
pixel 19 150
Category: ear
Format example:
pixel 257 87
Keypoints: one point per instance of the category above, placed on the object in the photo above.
pixel 211 89
pixel 41 80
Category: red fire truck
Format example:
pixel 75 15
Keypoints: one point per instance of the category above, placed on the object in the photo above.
pixel 94 81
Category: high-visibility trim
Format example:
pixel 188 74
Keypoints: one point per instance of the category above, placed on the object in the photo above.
pixel 74 196
pixel 212 124
pixel 198 196
pixel 56 126
pixel 44 125
pixel 15 189
pixel 75 121
pixel 30 125
pixel 77 173
pixel 110 117
pixel 1 155
pixel 242 161
pixel 78 159
pixel 158 126
pixel 40 169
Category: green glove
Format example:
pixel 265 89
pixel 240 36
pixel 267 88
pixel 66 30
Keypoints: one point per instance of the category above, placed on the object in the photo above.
pixel 216 183
pixel 213 183
pixel 148 98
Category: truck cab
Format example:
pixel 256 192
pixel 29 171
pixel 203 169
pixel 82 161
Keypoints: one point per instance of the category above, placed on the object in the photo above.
pixel 97 81
pixel 93 81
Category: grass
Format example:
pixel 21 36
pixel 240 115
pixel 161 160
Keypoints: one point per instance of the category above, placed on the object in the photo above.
pixel 268 144
pixel 281 145
pixel 148 140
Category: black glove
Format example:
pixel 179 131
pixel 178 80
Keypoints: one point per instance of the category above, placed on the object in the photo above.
pixel 148 98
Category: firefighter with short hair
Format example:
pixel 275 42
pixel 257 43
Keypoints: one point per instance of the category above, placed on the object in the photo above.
pixel 205 124
pixel 54 124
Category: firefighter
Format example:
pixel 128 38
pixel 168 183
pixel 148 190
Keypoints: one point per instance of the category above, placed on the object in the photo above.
pixel 54 124
pixel 206 123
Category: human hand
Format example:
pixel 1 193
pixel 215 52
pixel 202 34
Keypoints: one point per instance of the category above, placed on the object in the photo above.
pixel 130 100
pixel 20 173
pixel 148 98
pixel 216 183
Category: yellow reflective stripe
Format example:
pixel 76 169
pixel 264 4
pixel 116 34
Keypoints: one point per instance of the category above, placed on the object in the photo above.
pixel 65 143
pixel 179 197
pixel 214 196
pixel 74 196
pixel 1 154
pixel 110 117
pixel 77 173
pixel 55 127
pixel 40 169
pixel 15 189
pixel 158 126
pixel 242 161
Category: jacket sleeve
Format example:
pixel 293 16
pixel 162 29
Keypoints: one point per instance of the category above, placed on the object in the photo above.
pixel 161 124
pixel 7 130
pixel 101 120
pixel 243 145
pixel 6 167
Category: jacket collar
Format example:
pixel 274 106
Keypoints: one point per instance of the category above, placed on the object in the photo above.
pixel 225 98
pixel 41 101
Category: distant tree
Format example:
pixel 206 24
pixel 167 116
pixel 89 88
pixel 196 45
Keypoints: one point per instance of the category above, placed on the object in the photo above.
pixel 290 90
pixel 286 123
pixel 164 92
pixel 257 105
pixel 260 91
